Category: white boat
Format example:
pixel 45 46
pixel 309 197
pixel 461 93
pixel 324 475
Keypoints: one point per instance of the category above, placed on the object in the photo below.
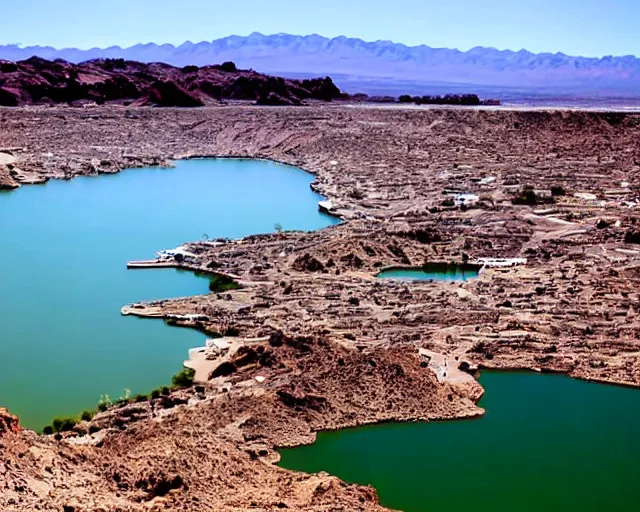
pixel 170 254
pixel 501 262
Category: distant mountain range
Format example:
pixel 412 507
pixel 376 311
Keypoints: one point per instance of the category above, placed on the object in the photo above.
pixel 381 66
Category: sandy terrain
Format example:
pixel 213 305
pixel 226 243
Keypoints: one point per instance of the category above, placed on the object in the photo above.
pixel 355 349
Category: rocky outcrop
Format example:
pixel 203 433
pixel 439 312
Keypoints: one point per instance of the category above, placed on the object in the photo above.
pixel 38 80
pixel 169 94
pixel 6 180
pixel 8 422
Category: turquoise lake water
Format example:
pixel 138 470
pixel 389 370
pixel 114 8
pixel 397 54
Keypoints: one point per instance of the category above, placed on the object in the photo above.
pixel 432 272
pixel 546 443
pixel 65 245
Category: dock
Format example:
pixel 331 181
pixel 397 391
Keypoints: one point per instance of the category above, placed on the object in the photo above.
pixel 153 264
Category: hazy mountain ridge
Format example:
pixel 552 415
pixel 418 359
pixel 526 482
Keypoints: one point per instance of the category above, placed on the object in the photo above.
pixel 283 53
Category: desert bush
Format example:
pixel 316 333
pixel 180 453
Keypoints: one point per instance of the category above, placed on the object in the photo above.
pixel 221 283
pixel 526 196
pixel 64 424
pixel 184 378
pixel 87 415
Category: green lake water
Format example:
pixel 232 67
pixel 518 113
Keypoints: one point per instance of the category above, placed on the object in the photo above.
pixel 546 443
pixel 432 272
pixel 63 251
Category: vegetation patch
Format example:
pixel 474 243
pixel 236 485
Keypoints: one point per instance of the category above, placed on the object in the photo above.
pixel 184 378
pixel 632 237
pixel 448 99
pixel 64 424
pixel 221 283
pixel 526 196
pixel 87 415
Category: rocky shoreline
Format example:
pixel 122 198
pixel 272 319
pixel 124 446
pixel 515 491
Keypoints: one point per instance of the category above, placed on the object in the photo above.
pixel 340 347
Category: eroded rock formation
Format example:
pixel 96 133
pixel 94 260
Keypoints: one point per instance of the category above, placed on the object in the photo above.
pixel 37 80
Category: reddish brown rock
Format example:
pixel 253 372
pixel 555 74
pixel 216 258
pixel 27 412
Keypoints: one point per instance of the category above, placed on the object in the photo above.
pixel 6 180
pixel 8 422
pixel 37 80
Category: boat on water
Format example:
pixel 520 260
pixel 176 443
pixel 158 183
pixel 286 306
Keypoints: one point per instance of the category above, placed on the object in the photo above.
pixel 178 254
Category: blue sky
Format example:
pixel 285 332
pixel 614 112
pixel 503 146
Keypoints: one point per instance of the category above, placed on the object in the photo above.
pixel 585 27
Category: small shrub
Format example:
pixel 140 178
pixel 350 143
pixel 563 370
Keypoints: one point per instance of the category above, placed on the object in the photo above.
pixel 104 403
pixel 48 430
pixel 140 398
pixel 232 332
pixel 64 424
pixel 86 415
pixel 558 191
pixel 221 283
pixel 184 378
pixel 229 67
pixel 356 194
pixel 526 196
pixel 632 237
pixel 155 394
pixel 165 390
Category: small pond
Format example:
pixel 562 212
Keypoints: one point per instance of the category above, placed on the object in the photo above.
pixel 432 272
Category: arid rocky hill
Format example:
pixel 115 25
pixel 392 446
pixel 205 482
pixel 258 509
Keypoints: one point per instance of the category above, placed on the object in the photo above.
pixel 38 80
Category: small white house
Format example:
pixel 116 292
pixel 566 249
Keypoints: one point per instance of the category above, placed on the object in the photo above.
pixel 465 199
